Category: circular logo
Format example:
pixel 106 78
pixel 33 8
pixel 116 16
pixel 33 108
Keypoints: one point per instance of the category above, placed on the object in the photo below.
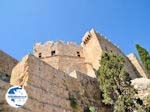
pixel 16 96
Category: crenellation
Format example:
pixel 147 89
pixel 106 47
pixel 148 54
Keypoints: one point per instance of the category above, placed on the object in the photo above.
pixel 67 56
pixel 57 70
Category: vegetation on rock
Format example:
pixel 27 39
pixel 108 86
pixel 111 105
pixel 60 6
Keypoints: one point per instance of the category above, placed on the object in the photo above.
pixel 73 101
pixel 92 109
pixel 145 58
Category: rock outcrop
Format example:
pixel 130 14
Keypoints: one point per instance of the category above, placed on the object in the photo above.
pixel 143 87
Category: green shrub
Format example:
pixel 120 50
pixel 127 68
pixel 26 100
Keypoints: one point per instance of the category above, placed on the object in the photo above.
pixel 145 58
pixel 73 101
pixel 92 109
pixel 114 83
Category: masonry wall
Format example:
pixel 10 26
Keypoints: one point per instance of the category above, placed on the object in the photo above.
pixel 69 49
pixel 6 63
pixel 69 64
pixel 45 49
pixel 68 57
pixel 4 107
pixel 134 60
pixel 91 49
pixel 53 61
pixel 106 45
pixel 49 89
pixel 95 44
pixel 84 58
pixel 60 48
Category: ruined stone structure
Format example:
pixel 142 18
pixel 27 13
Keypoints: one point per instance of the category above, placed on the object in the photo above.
pixel 56 72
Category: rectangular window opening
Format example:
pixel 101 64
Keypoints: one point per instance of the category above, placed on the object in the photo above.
pixel 40 55
pixel 52 53
pixel 78 53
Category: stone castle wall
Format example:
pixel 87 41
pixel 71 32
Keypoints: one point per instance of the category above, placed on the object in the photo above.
pixel 49 89
pixel 67 57
pixel 107 46
pixel 84 58
pixel 6 63
pixel 94 44
pixel 60 48
pixel 53 61
pixel 134 60
pixel 69 64
pixel 91 49
pixel 47 75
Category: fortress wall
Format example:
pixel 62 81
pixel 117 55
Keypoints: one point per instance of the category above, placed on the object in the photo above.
pixel 69 64
pixel 45 49
pixel 69 49
pixel 87 92
pixel 60 48
pixel 91 49
pixel 66 56
pixel 49 89
pixel 19 74
pixel 108 46
pixel 90 70
pixel 6 63
pixel 4 107
pixel 45 86
pixel 134 60
pixel 53 61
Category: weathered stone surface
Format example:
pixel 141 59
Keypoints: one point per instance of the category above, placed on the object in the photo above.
pixel 49 89
pixel 6 63
pixel 134 60
pixel 84 58
pixel 94 44
pixel 62 71
pixel 143 87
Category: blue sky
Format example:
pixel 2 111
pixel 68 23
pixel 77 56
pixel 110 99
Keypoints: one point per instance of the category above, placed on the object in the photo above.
pixel 25 22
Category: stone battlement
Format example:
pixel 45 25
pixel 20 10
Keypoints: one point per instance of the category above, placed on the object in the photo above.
pixel 57 71
pixel 51 48
pixel 84 57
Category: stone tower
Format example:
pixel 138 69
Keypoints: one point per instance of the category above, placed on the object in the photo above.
pixel 70 57
pixel 59 70
pixel 94 44
pixel 67 57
